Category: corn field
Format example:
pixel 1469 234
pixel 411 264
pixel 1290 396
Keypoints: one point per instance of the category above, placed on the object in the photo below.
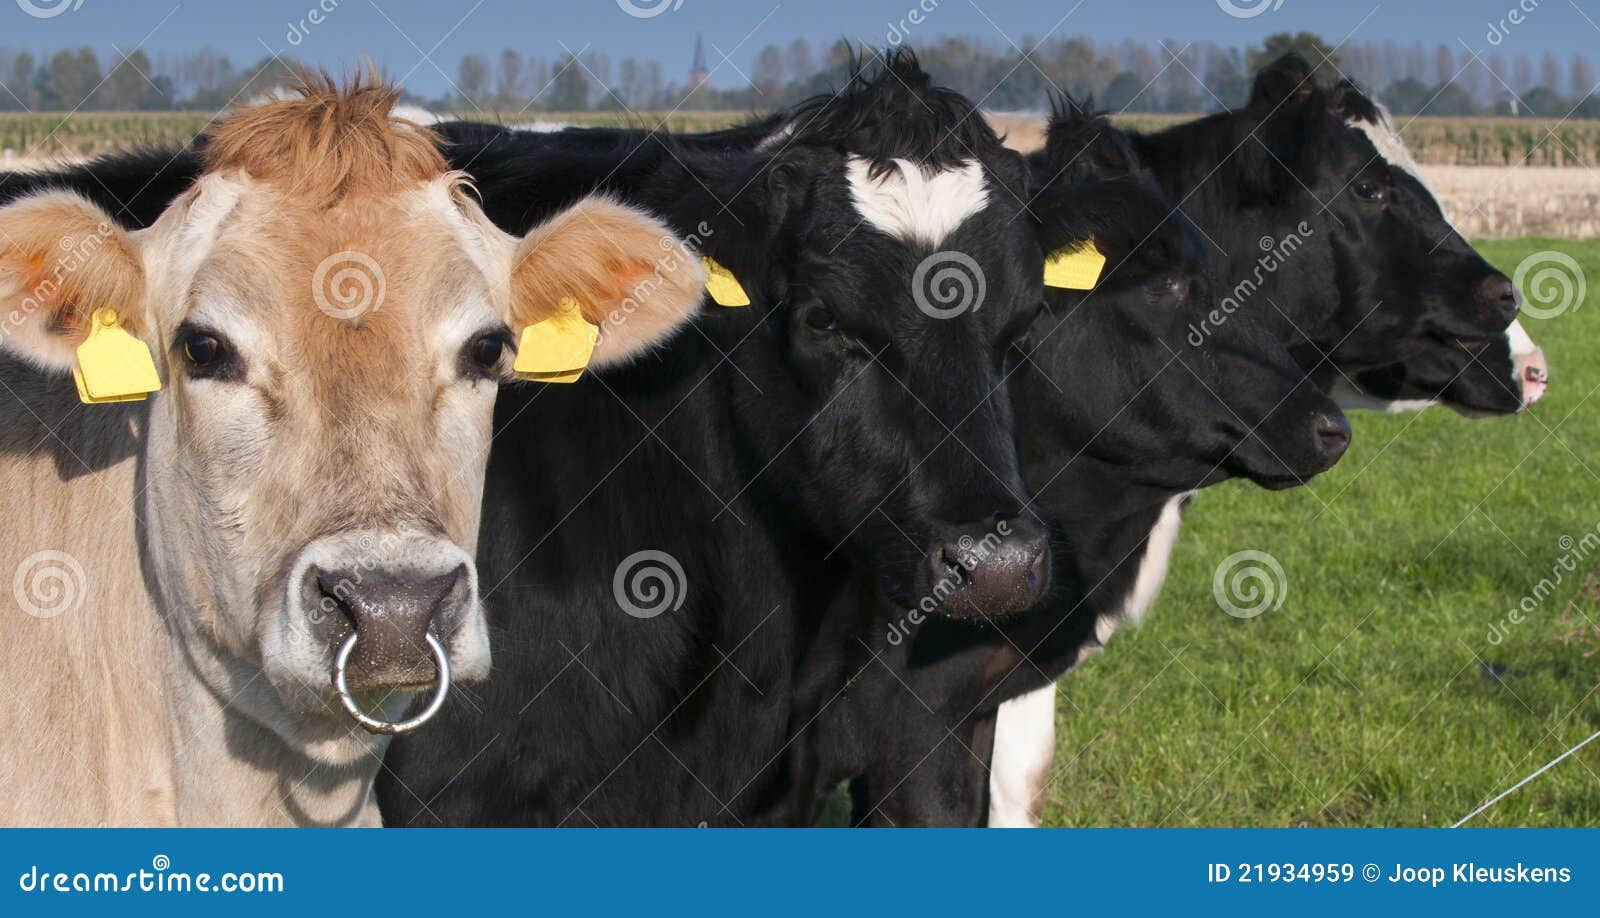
pixel 63 135
pixel 1434 141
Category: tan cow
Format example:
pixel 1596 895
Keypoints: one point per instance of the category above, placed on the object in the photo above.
pixel 330 316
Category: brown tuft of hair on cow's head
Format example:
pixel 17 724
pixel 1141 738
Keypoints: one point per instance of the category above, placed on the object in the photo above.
pixel 328 140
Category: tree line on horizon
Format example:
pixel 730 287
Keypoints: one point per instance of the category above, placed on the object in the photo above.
pixel 1127 76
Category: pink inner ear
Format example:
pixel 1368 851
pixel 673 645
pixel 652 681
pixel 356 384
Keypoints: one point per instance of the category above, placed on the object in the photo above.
pixel 68 321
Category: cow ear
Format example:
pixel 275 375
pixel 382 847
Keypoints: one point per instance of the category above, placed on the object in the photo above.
pixel 742 236
pixel 1286 79
pixel 65 266
pixel 1347 101
pixel 1075 222
pixel 598 284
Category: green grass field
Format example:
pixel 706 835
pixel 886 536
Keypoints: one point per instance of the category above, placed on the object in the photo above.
pixel 1373 695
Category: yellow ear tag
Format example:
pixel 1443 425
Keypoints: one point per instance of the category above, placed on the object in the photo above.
pixel 1074 269
pixel 113 366
pixel 557 349
pixel 722 285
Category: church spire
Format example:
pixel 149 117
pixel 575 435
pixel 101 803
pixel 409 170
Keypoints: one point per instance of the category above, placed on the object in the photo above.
pixel 699 73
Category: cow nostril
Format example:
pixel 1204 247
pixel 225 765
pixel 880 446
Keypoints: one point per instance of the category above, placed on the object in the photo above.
pixel 995 568
pixel 1333 435
pixel 952 567
pixel 1039 570
pixel 391 612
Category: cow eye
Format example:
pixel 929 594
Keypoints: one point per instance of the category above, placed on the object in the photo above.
pixel 206 354
pixel 483 355
pixel 1368 191
pixel 822 318
pixel 203 350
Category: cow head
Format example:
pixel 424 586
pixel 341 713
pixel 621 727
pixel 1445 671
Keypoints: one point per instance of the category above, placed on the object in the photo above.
pixel 330 315
pixel 1148 371
pixel 898 271
pixel 1500 377
pixel 1383 277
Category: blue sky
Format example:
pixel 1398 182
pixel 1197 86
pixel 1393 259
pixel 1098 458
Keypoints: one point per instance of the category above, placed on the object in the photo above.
pixel 399 33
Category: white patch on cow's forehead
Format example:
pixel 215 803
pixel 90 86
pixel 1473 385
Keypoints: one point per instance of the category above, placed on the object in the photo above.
pixel 1393 149
pixel 1388 141
pixel 913 205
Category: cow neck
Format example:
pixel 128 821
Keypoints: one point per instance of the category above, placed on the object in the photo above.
pixel 232 770
pixel 1108 519
pixel 1114 544
pixel 105 697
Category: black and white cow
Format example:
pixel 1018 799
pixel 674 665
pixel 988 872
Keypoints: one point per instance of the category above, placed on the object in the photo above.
pixel 1314 212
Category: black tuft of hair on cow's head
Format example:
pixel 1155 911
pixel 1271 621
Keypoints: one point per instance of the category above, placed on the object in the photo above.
pixel 1286 80
pixel 1081 142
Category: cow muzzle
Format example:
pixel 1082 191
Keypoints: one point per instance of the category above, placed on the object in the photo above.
pixel 989 568
pixel 398 613
pixel 1530 370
